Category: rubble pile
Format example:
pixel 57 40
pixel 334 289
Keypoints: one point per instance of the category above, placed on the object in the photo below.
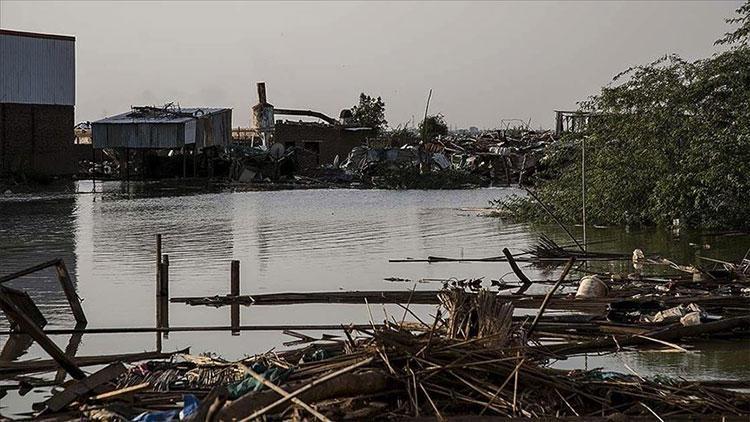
pixel 494 157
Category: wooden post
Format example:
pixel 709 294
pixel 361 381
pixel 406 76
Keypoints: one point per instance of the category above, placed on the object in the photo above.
pixel 70 292
pixel 158 264
pixel 235 282
pixel 235 292
pixel 195 160
pixel 164 285
pixel 29 327
pixel 162 312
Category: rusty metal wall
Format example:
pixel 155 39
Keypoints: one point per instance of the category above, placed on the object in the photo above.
pixel 37 70
pixel 215 129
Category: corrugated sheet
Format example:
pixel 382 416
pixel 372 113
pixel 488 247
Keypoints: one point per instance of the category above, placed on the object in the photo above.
pixel 216 129
pixel 37 70
pixel 123 132
pixel 138 135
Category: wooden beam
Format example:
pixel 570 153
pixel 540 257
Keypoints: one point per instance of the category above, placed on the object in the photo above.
pixel 30 327
pixel 29 270
pixel 85 386
pixel 70 292
pixel 13 368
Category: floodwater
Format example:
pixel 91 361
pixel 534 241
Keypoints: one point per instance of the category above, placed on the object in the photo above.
pixel 297 240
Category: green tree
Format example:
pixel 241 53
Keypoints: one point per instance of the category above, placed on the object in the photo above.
pixel 370 112
pixel 741 35
pixel 432 126
pixel 666 140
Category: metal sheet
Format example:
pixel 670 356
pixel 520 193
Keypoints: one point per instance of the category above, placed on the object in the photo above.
pixel 37 70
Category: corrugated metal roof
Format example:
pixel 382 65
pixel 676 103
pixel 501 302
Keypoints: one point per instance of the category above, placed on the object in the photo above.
pixel 131 117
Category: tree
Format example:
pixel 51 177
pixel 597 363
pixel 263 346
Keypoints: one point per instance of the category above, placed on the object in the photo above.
pixel 667 140
pixel 370 112
pixel 741 35
pixel 432 126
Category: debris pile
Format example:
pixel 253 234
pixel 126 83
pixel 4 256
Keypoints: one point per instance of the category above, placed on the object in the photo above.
pixel 475 355
pixel 474 358
pixel 491 158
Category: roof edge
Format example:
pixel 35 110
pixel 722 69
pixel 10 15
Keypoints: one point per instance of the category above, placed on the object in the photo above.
pixel 37 35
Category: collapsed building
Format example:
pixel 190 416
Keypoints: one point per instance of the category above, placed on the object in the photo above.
pixel 323 140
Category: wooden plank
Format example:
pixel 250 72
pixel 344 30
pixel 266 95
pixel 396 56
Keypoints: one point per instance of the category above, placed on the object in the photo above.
pixel 12 368
pixel 26 304
pixel 29 270
pixel 122 391
pixel 269 327
pixel 85 386
pixel 28 326
pixel 70 292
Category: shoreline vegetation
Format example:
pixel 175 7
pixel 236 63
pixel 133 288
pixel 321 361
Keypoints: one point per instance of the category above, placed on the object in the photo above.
pixel 666 143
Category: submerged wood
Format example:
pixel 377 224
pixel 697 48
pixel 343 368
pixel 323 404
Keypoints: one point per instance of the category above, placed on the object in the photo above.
pixel 42 365
pixel 136 330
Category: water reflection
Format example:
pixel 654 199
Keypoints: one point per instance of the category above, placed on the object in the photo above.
pixel 34 231
pixel 715 360
pixel 286 241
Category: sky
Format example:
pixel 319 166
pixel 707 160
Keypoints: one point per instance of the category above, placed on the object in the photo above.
pixel 486 62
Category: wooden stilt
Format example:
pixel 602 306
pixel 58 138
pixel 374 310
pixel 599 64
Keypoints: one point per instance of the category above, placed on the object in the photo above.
pixel 235 291
pixel 158 264
pixel 164 286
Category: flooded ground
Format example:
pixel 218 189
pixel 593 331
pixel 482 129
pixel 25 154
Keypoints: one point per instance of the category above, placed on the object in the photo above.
pixel 306 240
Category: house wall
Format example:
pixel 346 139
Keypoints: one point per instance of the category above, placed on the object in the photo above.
pixel 332 140
pixel 37 138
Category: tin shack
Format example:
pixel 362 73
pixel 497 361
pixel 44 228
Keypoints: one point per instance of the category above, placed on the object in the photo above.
pixel 152 131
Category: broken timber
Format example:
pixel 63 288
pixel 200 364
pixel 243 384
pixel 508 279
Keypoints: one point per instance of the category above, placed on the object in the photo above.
pixel 31 328
pixel 63 277
pixel 430 297
pixel 42 365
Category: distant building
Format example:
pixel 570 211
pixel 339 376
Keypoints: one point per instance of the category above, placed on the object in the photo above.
pixel 166 127
pixel 324 141
pixel 37 100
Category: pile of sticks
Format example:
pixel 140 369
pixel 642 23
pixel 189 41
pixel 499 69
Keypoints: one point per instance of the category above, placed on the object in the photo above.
pixel 473 359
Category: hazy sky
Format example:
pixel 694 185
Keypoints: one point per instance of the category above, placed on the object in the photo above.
pixel 485 61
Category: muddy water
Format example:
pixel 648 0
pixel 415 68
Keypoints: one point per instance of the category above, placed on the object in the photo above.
pixel 286 241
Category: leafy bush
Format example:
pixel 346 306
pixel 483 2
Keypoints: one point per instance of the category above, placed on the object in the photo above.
pixel 432 126
pixel 667 140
